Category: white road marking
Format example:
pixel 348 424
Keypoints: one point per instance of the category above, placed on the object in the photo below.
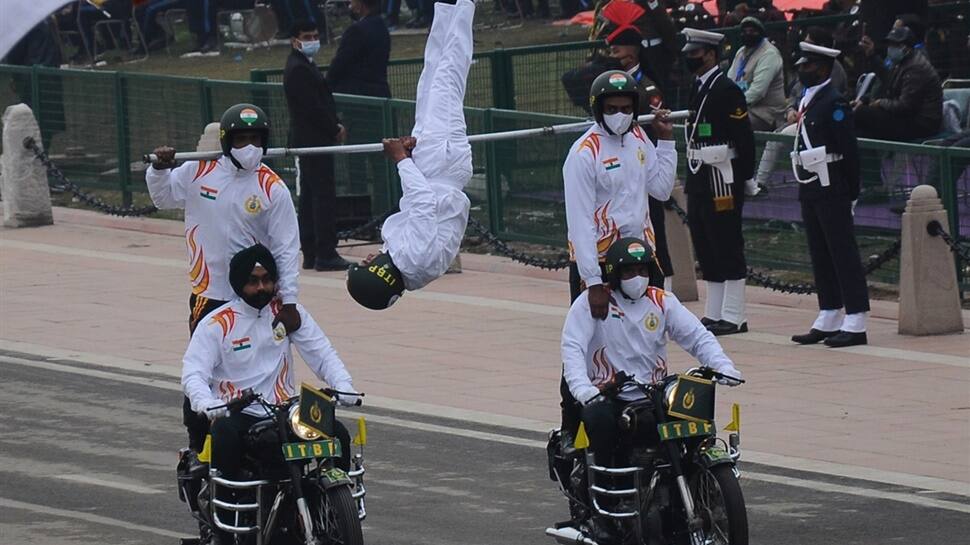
pixel 856 491
pixel 88 517
pixel 923 482
pixel 117 485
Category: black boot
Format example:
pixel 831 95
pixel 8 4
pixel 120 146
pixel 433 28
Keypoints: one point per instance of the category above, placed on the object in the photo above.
pixel 813 336
pixel 845 338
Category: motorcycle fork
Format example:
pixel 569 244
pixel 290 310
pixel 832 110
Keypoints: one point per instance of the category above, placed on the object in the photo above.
pixel 296 480
pixel 694 522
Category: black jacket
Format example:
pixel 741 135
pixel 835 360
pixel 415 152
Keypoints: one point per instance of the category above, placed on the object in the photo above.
pixel 313 112
pixel 913 95
pixel 727 113
pixel 828 122
pixel 360 65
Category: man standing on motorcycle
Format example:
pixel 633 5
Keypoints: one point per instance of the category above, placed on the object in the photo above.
pixel 242 347
pixel 632 339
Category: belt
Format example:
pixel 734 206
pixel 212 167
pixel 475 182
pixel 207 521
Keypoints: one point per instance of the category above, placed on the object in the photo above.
pixel 829 158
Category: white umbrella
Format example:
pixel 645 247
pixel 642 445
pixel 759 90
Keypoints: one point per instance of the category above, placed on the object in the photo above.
pixel 18 17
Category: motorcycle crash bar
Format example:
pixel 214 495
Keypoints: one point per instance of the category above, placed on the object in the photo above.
pixel 569 536
pixel 376 147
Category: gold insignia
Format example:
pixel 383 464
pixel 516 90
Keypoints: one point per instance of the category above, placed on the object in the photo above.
pixel 279 332
pixel 641 156
pixel 253 205
pixel 689 399
pixel 652 322
pixel 739 114
pixel 315 413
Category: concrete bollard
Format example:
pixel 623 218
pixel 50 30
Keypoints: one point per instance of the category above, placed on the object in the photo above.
pixel 681 251
pixel 26 193
pixel 929 297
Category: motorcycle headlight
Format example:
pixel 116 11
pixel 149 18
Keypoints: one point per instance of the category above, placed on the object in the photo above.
pixel 669 392
pixel 299 428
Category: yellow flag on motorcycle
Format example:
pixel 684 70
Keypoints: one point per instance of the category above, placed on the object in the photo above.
pixel 735 424
pixel 316 410
pixel 361 439
pixel 693 399
pixel 582 440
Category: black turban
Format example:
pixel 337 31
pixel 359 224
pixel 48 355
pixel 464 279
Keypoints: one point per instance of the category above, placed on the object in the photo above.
pixel 243 263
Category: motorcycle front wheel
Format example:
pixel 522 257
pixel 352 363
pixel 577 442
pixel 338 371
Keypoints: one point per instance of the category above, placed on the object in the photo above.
pixel 720 504
pixel 335 518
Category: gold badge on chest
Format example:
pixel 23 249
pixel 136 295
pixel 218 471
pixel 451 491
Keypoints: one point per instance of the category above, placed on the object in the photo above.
pixel 642 157
pixel 652 322
pixel 279 333
pixel 253 205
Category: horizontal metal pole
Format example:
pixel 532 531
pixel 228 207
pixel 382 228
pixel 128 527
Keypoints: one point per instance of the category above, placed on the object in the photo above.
pixel 376 147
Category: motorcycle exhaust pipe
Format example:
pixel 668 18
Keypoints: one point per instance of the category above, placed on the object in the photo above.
pixel 569 536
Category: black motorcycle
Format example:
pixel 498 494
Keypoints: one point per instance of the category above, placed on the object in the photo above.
pixel 292 493
pixel 678 482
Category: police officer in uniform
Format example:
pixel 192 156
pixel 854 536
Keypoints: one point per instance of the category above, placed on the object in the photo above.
pixel 826 163
pixel 720 158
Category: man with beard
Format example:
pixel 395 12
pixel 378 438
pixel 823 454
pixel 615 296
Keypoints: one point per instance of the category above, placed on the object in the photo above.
pixel 229 203
pixel 244 347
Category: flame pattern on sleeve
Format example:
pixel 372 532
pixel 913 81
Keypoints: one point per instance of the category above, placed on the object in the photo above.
pixel 199 273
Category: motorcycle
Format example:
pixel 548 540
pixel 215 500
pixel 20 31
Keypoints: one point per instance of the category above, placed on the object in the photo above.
pixel 680 482
pixel 292 492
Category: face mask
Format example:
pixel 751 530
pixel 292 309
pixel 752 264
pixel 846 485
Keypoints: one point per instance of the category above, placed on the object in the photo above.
pixel 809 79
pixel 310 48
pixel 619 122
pixel 895 53
pixel 694 63
pixel 248 157
pixel 750 40
pixel 635 287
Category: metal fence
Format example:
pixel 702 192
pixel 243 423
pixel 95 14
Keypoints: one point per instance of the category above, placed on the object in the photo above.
pixel 96 125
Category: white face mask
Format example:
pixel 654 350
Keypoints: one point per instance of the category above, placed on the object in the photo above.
pixel 249 157
pixel 310 48
pixel 634 288
pixel 619 122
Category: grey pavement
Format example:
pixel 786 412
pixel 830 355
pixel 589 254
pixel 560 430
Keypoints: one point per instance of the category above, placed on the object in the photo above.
pixel 483 347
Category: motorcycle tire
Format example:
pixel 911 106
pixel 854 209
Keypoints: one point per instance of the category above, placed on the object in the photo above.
pixel 335 517
pixel 719 501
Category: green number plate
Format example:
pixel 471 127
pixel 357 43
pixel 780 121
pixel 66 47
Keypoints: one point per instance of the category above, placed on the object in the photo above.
pixel 680 430
pixel 311 449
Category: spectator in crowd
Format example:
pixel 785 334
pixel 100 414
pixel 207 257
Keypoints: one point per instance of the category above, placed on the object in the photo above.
pixel 686 14
pixel 815 35
pixel 757 71
pixel 313 122
pixel 202 21
pixel 423 11
pixel 359 67
pixel 910 104
pixel 146 14
pixel 660 46
pixel 289 12
pixel 763 10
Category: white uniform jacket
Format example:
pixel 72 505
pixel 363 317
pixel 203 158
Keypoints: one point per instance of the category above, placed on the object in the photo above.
pixel 237 348
pixel 632 339
pixel 607 180
pixel 228 210
pixel 423 239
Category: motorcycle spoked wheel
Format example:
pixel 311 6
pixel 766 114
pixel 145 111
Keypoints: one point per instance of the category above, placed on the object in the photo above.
pixel 719 502
pixel 334 515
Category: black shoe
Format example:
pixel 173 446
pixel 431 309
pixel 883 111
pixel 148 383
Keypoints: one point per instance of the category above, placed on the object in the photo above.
pixel 567 443
pixel 705 321
pixel 309 261
pixel 333 264
pixel 813 336
pixel 844 338
pixel 723 327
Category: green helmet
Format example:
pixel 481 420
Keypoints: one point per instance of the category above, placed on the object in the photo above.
pixel 375 286
pixel 242 117
pixel 626 251
pixel 612 83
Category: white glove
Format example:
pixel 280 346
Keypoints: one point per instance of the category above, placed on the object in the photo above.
pixel 731 372
pixel 348 400
pixel 853 206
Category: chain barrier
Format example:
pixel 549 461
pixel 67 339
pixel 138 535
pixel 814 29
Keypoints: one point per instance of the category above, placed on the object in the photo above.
pixel 90 200
pixel 767 281
pixel 505 250
pixel 374 223
pixel 934 228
